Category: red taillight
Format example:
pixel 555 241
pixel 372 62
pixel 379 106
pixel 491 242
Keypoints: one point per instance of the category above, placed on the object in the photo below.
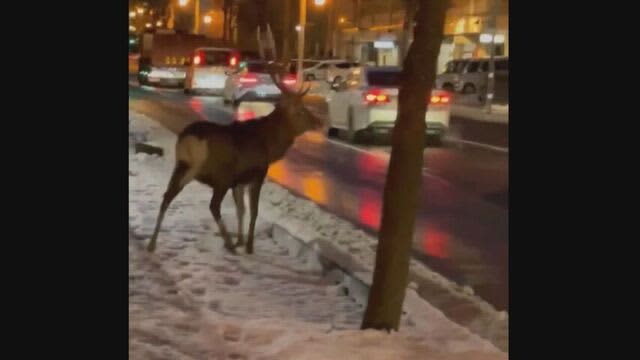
pixel 440 99
pixel 375 96
pixel 233 60
pixel 289 80
pixel 198 58
pixel 248 79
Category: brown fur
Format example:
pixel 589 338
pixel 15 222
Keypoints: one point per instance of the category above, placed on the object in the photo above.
pixel 234 157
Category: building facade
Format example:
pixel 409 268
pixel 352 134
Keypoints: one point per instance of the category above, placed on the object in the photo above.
pixel 371 33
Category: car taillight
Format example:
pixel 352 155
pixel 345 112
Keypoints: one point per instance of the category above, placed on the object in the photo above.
pixel 233 60
pixel 248 79
pixel 198 58
pixel 289 80
pixel 439 99
pixel 375 96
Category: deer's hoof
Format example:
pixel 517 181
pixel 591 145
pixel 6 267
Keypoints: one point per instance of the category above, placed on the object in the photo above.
pixel 151 247
pixel 249 250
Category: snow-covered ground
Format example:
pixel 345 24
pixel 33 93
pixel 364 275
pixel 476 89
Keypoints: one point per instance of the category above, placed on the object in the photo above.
pixel 192 300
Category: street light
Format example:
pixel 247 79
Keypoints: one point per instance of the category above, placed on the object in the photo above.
pixel 140 10
pixel 147 25
pixel 159 23
pixel 300 29
pixel 342 19
pixel 207 19
pixel 183 3
pixel 132 14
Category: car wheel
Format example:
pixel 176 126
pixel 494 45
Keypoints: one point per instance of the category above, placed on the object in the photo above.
pixel 310 77
pixel 468 89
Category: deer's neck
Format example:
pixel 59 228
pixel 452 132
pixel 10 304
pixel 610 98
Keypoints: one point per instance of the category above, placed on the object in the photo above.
pixel 280 133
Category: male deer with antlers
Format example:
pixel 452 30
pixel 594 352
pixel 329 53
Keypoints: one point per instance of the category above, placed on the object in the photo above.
pixel 236 156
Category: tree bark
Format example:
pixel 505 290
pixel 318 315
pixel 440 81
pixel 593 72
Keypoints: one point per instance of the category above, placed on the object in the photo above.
pixel 404 178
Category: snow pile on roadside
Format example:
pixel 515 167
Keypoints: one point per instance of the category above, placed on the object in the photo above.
pixel 309 222
pixel 192 300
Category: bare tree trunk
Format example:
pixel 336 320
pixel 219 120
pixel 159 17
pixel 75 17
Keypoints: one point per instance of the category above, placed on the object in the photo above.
pixel 286 50
pixel 409 15
pixel 404 177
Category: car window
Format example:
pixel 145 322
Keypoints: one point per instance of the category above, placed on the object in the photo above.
pixel 216 57
pixel 484 66
pixel 384 78
pixel 258 67
pixel 343 65
pixel 473 67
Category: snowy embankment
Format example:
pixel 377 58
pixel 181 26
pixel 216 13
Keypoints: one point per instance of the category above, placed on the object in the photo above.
pixel 192 300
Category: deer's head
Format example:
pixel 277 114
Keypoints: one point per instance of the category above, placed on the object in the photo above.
pixel 292 107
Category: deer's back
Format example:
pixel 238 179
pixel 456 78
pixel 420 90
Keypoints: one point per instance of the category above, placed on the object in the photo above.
pixel 224 154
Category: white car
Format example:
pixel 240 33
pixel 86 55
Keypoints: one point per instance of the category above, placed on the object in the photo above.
pixel 367 103
pixel 208 70
pixel 320 69
pixel 252 82
pixel 337 72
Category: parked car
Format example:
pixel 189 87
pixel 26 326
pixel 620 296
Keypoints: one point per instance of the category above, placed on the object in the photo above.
pixel 252 82
pixel 367 103
pixel 321 69
pixel 474 77
pixel 451 75
pixel 207 72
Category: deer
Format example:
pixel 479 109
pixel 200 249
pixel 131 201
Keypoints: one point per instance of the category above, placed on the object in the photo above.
pixel 237 157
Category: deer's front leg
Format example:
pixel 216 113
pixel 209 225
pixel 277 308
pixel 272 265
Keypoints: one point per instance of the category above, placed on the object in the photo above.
pixel 216 201
pixel 238 198
pixel 254 196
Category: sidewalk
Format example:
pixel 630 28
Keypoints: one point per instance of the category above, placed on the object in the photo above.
pixel 192 300
pixel 499 113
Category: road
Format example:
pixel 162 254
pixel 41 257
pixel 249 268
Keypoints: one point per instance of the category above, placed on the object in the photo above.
pixel 462 227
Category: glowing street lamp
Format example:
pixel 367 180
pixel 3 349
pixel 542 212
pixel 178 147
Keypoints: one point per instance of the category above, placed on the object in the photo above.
pixel 159 23
pixel 140 10
pixel 132 14
pixel 207 19
pixel 147 25
pixel 342 20
pixel 183 2
pixel 319 2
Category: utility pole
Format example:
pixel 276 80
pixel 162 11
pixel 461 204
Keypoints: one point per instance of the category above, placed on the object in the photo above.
pixel 301 27
pixel 196 14
pixel 491 80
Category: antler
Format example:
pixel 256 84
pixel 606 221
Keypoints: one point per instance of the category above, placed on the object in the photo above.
pixel 273 70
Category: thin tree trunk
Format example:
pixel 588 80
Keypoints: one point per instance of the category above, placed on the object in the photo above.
pixel 404 178
pixel 286 29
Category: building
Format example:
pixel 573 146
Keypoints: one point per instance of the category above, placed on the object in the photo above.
pixel 371 33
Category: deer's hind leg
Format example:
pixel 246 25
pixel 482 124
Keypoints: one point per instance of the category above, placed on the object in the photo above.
pixel 238 198
pixel 182 175
pixel 216 200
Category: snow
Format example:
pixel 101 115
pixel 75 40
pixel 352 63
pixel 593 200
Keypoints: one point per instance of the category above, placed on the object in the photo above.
pixel 192 300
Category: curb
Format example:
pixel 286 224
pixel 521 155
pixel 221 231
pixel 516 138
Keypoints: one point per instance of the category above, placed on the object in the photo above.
pixel 322 254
